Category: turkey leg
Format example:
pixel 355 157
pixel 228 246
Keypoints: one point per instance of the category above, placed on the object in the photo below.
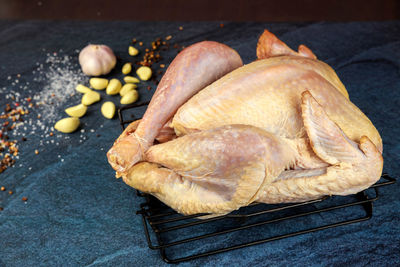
pixel 193 69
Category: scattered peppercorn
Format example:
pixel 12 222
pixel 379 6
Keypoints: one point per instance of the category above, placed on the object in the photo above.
pixel 8 122
pixel 152 55
pixel 51 133
pixel 180 28
pixel 24 198
pixel 8 108
pixel 10 192
pixel 36 151
pixel 3 188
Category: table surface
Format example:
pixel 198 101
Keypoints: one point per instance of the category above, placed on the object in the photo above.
pixel 77 213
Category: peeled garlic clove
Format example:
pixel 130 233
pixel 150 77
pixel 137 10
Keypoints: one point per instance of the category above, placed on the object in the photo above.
pixel 98 83
pixel 67 125
pixel 126 88
pixel 130 79
pixel 76 111
pixel 90 98
pixel 130 97
pixel 126 68
pixel 133 51
pixel 113 87
pixel 144 73
pixel 108 109
pixel 82 89
pixel 97 60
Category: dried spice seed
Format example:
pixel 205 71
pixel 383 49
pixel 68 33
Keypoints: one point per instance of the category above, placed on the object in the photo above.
pixel 24 199
pixel 152 54
pixel 3 188
pixel 8 108
pixel 180 28
pixel 36 151
pixel 10 192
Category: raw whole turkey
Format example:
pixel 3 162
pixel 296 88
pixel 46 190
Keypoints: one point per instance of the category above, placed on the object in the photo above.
pixel 280 129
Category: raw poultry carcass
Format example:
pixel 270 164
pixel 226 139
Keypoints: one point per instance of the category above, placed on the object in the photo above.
pixel 280 129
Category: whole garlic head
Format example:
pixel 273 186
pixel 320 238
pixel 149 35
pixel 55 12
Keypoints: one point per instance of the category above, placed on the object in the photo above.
pixel 97 60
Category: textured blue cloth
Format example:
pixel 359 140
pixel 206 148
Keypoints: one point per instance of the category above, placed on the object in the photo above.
pixel 77 213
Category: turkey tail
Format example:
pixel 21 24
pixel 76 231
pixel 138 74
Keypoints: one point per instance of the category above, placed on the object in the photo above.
pixel 270 46
pixel 306 52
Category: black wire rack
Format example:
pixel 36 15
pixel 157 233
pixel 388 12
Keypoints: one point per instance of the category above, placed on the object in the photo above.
pixel 181 238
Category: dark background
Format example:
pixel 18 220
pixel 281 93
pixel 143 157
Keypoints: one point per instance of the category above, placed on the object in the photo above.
pixel 191 10
pixel 78 214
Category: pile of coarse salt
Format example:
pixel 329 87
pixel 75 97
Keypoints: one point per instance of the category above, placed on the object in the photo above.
pixel 58 77
pixel 60 74
pixel 52 90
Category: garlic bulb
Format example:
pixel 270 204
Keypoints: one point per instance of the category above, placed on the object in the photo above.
pixel 97 60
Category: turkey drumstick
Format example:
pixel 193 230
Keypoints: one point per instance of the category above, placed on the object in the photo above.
pixel 193 69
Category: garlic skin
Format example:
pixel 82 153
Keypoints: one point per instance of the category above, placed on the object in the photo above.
pixel 96 60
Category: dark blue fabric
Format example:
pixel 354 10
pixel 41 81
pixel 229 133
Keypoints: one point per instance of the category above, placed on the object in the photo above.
pixel 77 213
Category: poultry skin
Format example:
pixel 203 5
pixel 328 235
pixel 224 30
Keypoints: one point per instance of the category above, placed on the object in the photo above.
pixel 280 129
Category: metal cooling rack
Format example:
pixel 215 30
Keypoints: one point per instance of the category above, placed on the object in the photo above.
pixel 181 238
